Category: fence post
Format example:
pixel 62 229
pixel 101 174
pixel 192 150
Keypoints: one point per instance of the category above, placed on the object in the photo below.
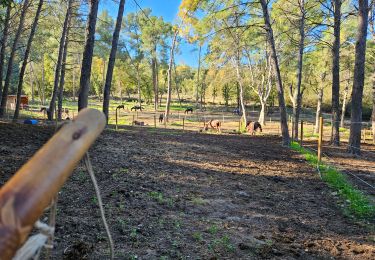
pixel 239 126
pixel 133 121
pixel 301 138
pixel 154 121
pixel 320 139
pixel 183 124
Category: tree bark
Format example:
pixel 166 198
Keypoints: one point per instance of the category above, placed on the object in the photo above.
pixel 63 69
pixel 198 77
pixel 154 79
pixel 139 86
pixel 279 84
pixel 84 84
pixel 335 138
pixel 354 146
pixel 344 102
pixel 239 80
pixel 301 47
pixel 167 107
pixel 25 60
pixel 52 103
pixel 112 59
pixel 373 109
pixel 318 110
pixel 4 41
pixel 8 76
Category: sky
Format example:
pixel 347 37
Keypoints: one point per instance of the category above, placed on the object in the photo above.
pixel 168 9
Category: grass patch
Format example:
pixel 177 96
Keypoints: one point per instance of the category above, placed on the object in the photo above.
pixel 358 203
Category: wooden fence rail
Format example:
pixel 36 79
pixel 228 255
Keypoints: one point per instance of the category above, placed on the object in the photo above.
pixel 25 196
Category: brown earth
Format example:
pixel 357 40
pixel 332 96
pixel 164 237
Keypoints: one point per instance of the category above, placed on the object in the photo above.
pixel 175 195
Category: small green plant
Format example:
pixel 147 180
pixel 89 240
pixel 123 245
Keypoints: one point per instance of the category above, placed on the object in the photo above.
pixel 198 236
pixel 133 234
pixel 213 229
pixel 158 196
pixel 95 200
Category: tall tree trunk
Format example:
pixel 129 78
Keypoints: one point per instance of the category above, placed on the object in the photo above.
pixel 198 76
pixel 358 79
pixel 262 113
pixel 63 69
pixel 239 80
pixel 43 82
pixel 154 79
pixel 31 77
pixel 167 107
pixel 52 103
pixel 373 109
pixel 8 76
pixel 335 138
pixel 4 41
pixel 112 58
pixel 84 84
pixel 26 58
pixel 74 84
pixel 318 110
pixel 301 47
pixel 279 84
pixel 344 102
pixel 139 86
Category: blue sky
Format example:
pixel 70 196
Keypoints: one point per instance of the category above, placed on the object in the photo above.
pixel 168 9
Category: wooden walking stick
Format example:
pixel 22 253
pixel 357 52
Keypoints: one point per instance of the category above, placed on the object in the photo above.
pixel 25 196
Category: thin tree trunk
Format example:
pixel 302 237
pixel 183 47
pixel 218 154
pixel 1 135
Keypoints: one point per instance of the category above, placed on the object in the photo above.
pixel 84 84
pixel 318 110
pixel 25 59
pixel 43 81
pixel 63 68
pixel 74 84
pixel 373 110
pixel 4 41
pixel 358 79
pixel 153 66
pixel 112 59
pixel 198 79
pixel 279 84
pixel 8 76
pixel 239 80
pixel 344 101
pixel 167 107
pixel 31 77
pixel 297 111
pixel 139 87
pixel 335 138
pixel 262 113
pixel 52 103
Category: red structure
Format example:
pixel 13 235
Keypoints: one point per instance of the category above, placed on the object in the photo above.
pixel 12 99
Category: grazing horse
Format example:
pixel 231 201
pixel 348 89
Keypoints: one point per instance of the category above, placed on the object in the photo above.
pixel 189 109
pixel 135 122
pixel 136 108
pixel 252 127
pixel 213 124
pixel 161 118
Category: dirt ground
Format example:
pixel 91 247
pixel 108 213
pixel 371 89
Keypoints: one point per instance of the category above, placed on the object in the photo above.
pixel 183 195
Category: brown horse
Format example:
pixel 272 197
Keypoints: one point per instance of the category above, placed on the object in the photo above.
pixel 252 127
pixel 213 124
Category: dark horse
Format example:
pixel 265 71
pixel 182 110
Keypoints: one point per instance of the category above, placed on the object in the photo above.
pixel 252 127
pixel 161 118
pixel 189 109
pixel 136 108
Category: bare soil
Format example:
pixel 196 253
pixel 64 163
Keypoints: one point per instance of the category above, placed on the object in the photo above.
pixel 184 195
